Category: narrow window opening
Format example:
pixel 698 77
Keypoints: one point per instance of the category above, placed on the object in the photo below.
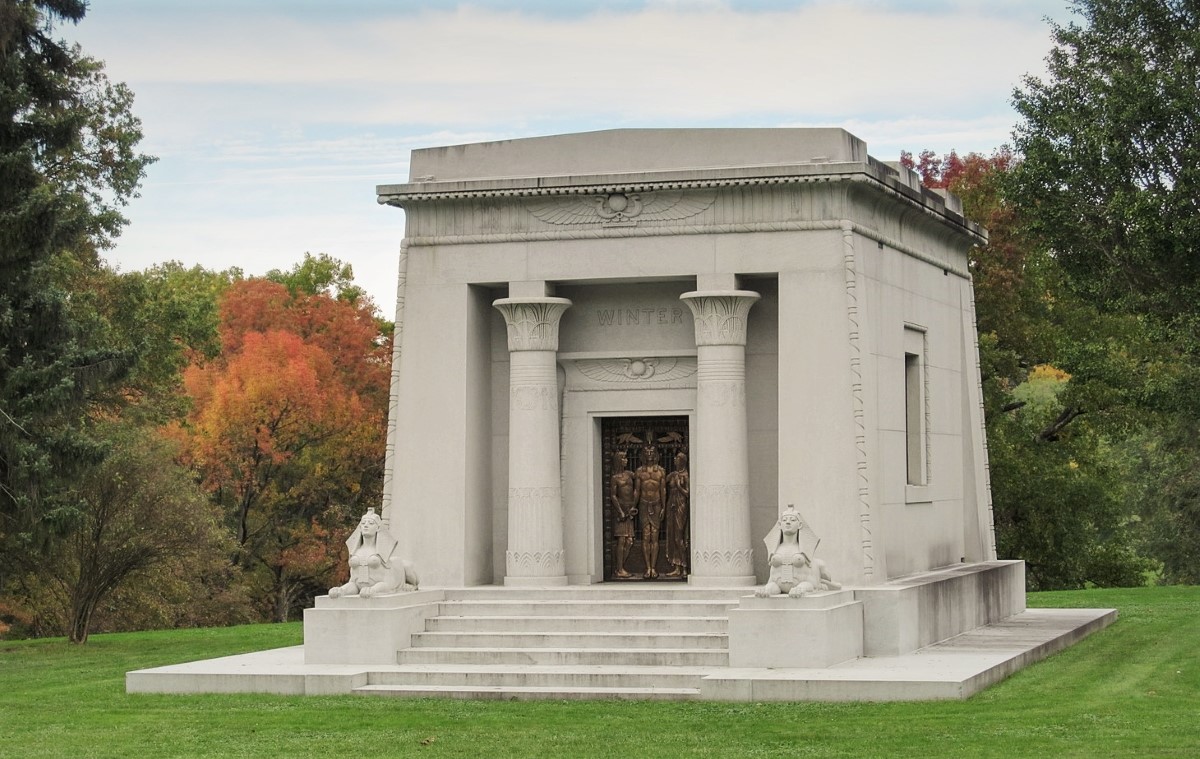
pixel 914 407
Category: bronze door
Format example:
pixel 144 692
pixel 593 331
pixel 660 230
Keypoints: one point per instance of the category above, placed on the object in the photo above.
pixel 651 478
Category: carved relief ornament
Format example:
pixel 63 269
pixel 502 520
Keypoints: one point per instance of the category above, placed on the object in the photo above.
pixel 726 561
pixel 720 315
pixel 532 322
pixel 629 370
pixel 620 209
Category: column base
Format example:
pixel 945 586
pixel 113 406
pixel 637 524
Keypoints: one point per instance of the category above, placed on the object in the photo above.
pixel 743 581
pixel 535 582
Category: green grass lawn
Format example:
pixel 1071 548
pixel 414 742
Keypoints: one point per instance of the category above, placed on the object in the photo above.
pixel 1130 690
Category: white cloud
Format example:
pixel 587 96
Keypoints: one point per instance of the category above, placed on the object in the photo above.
pixel 274 122
pixel 476 65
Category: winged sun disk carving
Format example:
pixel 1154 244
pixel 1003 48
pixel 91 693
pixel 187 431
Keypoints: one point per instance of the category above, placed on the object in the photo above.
pixel 636 369
pixel 664 205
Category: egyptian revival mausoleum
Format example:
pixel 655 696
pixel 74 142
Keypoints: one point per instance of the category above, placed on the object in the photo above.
pixel 794 315
pixel 620 357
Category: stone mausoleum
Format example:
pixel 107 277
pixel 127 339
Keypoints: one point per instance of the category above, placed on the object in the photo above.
pixel 619 357
pixel 793 314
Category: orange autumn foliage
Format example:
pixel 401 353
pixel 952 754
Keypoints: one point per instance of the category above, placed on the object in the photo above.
pixel 347 332
pixel 263 405
pixel 287 430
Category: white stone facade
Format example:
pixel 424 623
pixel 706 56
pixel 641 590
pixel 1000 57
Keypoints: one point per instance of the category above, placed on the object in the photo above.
pixel 807 309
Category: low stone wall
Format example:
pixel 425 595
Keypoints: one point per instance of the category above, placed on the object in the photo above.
pixel 899 617
pixel 913 612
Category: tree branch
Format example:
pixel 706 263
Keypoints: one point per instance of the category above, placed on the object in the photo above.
pixel 1068 415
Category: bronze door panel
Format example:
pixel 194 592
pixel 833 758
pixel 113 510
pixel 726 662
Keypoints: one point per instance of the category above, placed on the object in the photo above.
pixel 645 498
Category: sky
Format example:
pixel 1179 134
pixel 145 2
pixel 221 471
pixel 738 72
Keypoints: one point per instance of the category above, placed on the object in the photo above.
pixel 274 120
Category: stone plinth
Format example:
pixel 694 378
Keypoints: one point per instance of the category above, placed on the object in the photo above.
pixel 365 630
pixel 817 630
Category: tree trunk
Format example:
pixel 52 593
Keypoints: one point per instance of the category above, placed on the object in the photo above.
pixel 81 621
pixel 281 602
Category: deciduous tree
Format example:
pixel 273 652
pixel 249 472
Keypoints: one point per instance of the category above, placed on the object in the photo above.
pixel 321 274
pixel 139 515
pixel 287 430
pixel 1110 139
pixel 1110 182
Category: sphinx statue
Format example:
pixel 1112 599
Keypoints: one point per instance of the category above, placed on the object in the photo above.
pixel 375 565
pixel 794 571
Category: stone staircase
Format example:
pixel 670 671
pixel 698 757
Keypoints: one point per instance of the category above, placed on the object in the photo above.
pixel 944 634
pixel 643 641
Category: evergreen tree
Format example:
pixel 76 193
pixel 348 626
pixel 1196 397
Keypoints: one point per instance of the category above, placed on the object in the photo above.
pixel 68 163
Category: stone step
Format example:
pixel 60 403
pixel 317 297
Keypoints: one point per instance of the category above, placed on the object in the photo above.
pixel 578 624
pixel 637 643
pixel 586 608
pixel 605 592
pixel 660 657
pixel 543 676
pixel 545 639
pixel 529 693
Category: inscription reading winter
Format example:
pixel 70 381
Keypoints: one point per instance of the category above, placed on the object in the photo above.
pixel 634 317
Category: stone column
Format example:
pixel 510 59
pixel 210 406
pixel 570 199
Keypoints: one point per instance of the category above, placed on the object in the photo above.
pixel 721 553
pixel 535 520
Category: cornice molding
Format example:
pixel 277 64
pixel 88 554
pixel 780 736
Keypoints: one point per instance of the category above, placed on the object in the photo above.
pixel 591 233
pixel 402 198
pixel 601 187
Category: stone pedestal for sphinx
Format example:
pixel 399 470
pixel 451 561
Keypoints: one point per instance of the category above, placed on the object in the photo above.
pixel 817 630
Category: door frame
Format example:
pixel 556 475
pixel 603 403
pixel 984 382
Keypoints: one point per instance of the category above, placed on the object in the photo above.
pixel 585 402
pixel 663 423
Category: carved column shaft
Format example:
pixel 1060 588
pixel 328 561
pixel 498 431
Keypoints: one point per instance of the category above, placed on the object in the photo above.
pixel 721 548
pixel 535 522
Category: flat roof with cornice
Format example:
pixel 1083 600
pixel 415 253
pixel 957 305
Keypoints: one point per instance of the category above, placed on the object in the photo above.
pixel 621 160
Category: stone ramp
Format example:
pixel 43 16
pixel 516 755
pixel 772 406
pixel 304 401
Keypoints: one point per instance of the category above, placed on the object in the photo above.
pixel 640 642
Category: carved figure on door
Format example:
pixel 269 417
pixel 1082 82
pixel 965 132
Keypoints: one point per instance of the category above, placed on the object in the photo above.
pixel 651 490
pixel 623 490
pixel 677 517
